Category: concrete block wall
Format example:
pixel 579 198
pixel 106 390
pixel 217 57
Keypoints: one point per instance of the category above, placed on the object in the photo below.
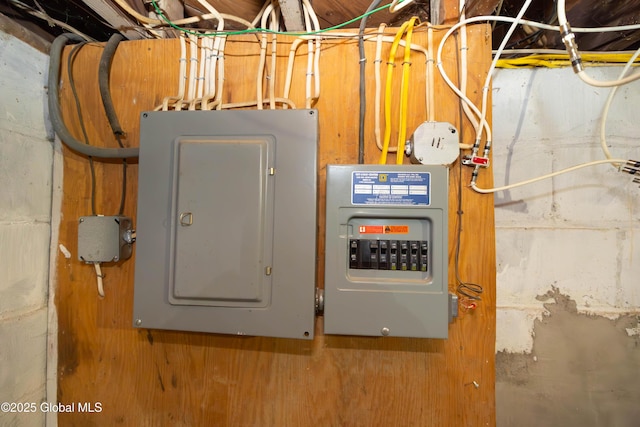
pixel 577 232
pixel 568 251
pixel 26 159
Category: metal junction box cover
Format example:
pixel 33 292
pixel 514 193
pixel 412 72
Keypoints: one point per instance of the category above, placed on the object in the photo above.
pixel 226 238
pixel 386 251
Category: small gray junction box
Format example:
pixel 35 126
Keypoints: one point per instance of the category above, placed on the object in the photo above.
pixel 226 238
pixel 386 251
pixel 104 238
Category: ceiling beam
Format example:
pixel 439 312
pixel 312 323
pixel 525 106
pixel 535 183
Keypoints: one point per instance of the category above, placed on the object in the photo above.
pixel 443 11
pixel 481 7
pixel 10 26
pixel 115 17
pixel 292 14
pixel 448 11
pixel 173 9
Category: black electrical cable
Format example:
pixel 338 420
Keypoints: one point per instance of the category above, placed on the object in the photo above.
pixel 72 84
pixel 56 115
pixel 469 290
pixel 363 96
pixel 105 93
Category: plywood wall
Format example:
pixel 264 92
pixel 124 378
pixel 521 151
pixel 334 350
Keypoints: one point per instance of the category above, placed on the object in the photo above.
pixel 152 378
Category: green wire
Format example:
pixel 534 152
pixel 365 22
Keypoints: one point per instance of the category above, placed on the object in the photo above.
pixel 260 30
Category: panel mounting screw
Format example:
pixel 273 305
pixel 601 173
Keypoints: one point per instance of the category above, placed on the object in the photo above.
pixel 385 331
pixel 138 322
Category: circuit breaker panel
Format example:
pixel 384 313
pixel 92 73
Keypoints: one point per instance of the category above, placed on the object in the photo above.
pixel 386 251
pixel 226 228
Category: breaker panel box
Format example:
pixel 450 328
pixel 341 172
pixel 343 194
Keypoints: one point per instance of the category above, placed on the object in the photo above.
pixel 226 228
pixel 386 251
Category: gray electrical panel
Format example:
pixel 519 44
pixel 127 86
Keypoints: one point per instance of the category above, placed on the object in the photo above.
pixel 226 228
pixel 386 251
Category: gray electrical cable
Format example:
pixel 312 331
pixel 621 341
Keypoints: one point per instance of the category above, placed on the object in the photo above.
pixel 103 81
pixel 105 94
pixel 56 115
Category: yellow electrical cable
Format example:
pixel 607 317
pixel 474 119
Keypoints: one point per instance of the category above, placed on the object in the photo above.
pixel 404 94
pixel 378 91
pixel 562 60
pixel 387 94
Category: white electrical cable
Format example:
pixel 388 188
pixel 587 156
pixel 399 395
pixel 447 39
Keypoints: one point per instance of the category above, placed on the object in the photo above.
pixel 455 27
pixel 607 106
pixel 448 81
pixel 310 52
pixel 430 81
pixel 193 65
pixel 540 178
pixel 542 26
pixel 212 10
pixel 464 49
pixel 209 72
pixel 328 36
pixel 572 48
pixel 492 67
pixel 209 77
pixel 564 52
pixel 561 12
pixel 260 14
pixel 99 277
pixel 263 57
pixel 609 83
pixel 397 5
pixel 275 26
pixel 218 46
pixel 201 69
pixel 514 21
pixel 316 56
pixel 220 59
pixel 182 76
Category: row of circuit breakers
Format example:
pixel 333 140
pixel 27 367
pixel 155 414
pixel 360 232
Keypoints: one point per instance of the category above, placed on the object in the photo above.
pixel 226 232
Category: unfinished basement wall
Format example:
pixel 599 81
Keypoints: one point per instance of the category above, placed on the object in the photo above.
pixel 25 217
pixel 568 252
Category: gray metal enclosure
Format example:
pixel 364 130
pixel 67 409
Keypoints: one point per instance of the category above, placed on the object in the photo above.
pixel 226 222
pixel 386 251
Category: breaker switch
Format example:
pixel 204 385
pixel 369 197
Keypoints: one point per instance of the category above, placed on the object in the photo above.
pixel 383 263
pixel 353 254
pixel 404 249
pixel 373 254
pixel 393 256
pixel 413 258
pixel 424 252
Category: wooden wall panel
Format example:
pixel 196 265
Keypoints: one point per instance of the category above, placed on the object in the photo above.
pixel 152 378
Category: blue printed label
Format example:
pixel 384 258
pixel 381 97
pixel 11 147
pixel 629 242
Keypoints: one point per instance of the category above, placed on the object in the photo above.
pixel 390 188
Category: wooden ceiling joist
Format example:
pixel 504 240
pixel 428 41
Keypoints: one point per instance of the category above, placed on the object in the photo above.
pixel 115 17
pixel 292 14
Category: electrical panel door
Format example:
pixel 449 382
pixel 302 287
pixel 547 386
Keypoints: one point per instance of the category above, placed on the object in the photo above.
pixel 226 229
pixel 386 251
